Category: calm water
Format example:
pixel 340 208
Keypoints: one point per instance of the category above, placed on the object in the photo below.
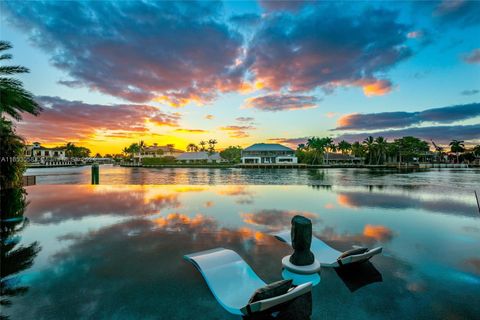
pixel 463 178
pixel 115 251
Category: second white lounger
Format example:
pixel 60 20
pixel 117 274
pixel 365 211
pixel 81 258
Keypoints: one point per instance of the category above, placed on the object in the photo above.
pixel 233 282
pixel 328 256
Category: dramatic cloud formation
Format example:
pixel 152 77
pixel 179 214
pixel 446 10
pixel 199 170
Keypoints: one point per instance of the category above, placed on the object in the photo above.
pixel 173 52
pixel 62 119
pixel 383 120
pixel 327 47
pixel 281 102
pixel 235 131
pixel 441 134
pixel 472 57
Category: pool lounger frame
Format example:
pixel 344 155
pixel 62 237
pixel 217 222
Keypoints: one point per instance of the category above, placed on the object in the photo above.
pixel 232 281
pixel 328 256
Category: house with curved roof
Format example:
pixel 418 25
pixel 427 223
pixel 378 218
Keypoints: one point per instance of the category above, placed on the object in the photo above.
pixel 268 153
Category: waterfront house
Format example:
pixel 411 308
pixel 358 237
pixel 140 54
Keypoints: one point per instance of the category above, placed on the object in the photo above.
pixel 156 151
pixel 200 157
pixel 268 153
pixel 36 153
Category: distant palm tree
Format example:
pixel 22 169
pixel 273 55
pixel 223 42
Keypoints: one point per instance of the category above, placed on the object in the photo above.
pixel 344 147
pixel 369 144
pixel 329 145
pixel 202 145
pixel 14 99
pixel 317 146
pixel 381 146
pixel 192 147
pixel 357 149
pixel 457 146
pixel 211 145
pixel 170 148
pixel 125 151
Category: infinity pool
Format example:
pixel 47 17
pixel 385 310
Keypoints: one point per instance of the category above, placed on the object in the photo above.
pixel 115 251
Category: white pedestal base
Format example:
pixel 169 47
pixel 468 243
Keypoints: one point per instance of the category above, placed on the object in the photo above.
pixel 310 269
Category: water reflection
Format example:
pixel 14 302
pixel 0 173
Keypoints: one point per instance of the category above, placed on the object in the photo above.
pixel 14 258
pixel 122 247
pixel 390 198
pixel 463 178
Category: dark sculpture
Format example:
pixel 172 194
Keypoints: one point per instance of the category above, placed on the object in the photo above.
pixel 301 241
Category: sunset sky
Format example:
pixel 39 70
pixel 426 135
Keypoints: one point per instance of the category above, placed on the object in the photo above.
pixel 112 73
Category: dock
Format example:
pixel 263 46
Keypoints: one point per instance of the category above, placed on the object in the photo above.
pixel 272 165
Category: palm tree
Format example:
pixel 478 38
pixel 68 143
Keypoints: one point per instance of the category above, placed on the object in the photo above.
pixel 369 144
pixel 476 150
pixel 457 146
pixel 125 151
pixel 381 146
pixel 14 99
pixel 170 148
pixel 329 145
pixel 317 146
pixel 202 145
pixel 192 147
pixel 344 147
pixel 141 150
pixel 211 145
pixel 357 149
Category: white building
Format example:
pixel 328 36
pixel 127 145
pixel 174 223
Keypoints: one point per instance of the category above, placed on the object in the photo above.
pixel 37 153
pixel 268 153
pixel 200 157
pixel 157 151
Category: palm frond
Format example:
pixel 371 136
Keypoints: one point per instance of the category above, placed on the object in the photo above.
pixel 5 45
pixel 6 56
pixel 8 70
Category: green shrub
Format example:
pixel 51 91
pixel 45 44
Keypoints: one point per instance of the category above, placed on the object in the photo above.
pixel 158 161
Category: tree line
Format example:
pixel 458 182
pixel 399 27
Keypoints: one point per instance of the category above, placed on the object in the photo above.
pixel 379 151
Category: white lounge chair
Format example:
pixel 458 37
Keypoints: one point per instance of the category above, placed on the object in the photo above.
pixel 328 256
pixel 232 281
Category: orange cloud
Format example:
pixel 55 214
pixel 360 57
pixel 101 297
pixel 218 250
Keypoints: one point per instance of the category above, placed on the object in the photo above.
pixel 377 88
